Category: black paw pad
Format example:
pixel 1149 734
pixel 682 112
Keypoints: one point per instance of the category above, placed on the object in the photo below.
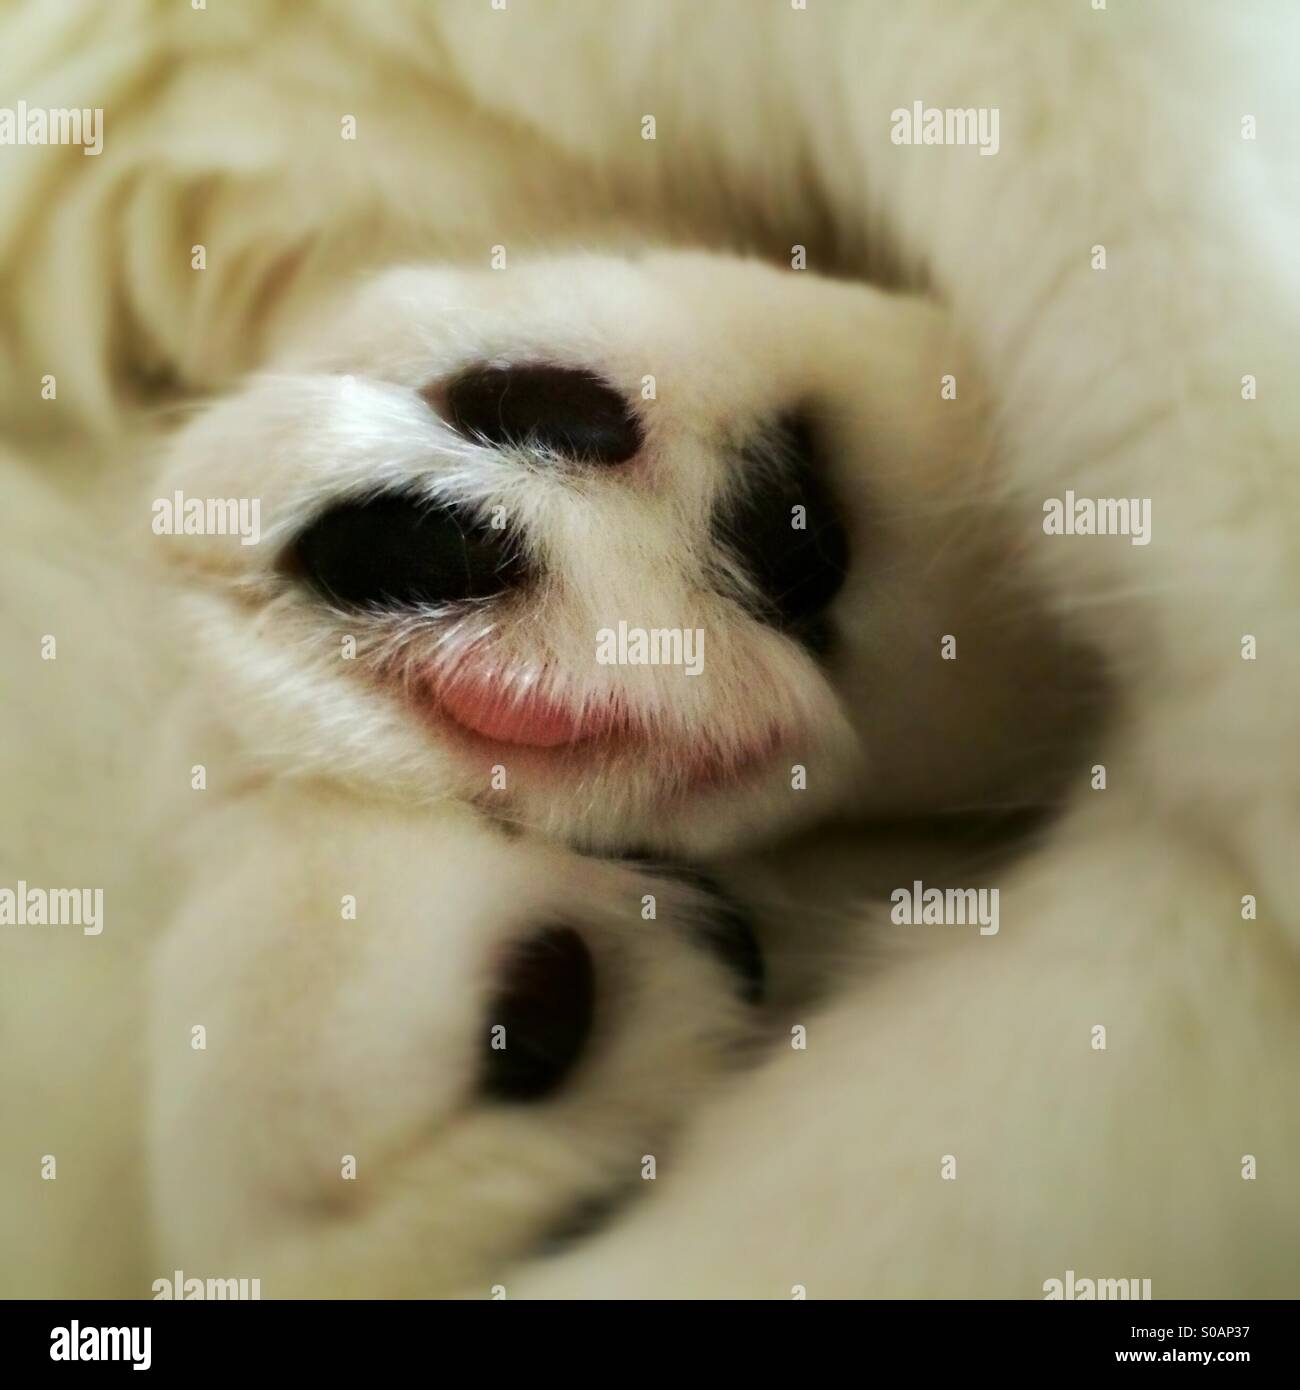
pixel 540 1018
pixel 399 549
pixel 785 529
pixel 563 410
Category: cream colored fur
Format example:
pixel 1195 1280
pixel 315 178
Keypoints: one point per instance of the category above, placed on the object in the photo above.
pixel 1119 127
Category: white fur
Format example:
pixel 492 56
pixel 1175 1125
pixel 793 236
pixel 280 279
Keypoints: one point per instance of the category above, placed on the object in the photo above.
pixel 283 720
pixel 728 344
pixel 330 1037
pixel 1118 127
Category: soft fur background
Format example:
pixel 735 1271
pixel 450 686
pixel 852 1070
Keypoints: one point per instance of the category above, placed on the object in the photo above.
pixel 1119 127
